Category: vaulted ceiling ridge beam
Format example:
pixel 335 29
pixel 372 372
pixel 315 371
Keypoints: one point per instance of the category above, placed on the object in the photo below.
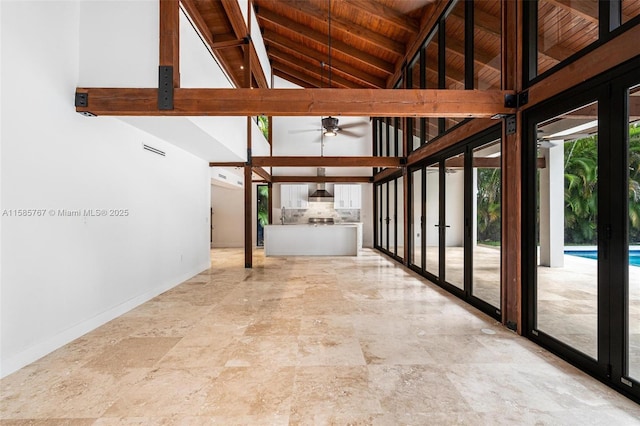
pixel 274 39
pixel 387 14
pixel 346 26
pixel 337 45
pixel 313 70
pixel 299 102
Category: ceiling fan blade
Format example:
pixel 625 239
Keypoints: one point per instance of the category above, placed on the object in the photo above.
pixel 349 133
pixel 353 125
pixel 293 132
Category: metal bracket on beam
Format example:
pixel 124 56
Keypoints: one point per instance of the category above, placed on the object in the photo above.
pixel 82 101
pixel 247 39
pixel 510 122
pixel 517 100
pixel 403 161
pixel 165 87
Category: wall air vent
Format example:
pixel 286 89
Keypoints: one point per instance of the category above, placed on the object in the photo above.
pixel 221 176
pixel 152 149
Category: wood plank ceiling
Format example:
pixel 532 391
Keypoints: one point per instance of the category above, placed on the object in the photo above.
pixel 368 39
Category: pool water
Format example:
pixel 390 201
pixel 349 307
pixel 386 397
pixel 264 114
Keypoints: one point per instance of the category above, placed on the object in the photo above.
pixel 634 255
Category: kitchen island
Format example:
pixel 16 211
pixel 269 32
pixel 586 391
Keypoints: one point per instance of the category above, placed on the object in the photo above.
pixel 311 240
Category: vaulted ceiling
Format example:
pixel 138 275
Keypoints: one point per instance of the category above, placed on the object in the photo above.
pixel 318 43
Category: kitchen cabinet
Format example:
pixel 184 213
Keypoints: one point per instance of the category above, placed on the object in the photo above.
pixel 347 197
pixel 294 196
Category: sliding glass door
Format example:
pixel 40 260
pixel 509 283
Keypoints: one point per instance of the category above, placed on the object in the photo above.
pixel 456 220
pixel 582 216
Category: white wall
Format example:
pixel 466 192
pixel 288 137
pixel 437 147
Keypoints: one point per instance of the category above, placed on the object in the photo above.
pixel 63 276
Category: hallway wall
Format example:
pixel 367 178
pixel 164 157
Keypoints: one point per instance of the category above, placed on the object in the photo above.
pixel 64 274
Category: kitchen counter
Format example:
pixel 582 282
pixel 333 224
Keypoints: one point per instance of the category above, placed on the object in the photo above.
pixel 311 240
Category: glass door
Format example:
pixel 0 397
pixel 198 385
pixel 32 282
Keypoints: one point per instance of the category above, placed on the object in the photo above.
pixel 417 217
pixel 486 214
pixel 632 308
pixel 431 233
pixel 452 220
pixel 567 231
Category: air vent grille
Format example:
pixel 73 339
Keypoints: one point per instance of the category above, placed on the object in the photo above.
pixel 152 149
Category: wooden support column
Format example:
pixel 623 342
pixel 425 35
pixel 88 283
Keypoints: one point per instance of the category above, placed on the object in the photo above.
pixel 248 223
pixel 170 37
pixel 511 271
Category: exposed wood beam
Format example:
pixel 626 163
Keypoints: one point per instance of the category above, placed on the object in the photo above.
pixel 321 179
pixel 234 13
pixel 342 25
pixel 228 43
pixel 196 18
pixel 327 161
pixel 482 20
pixel 300 102
pixel 314 70
pixel 385 174
pixel 227 164
pixel 383 13
pixel 170 37
pixel 262 173
pixel 622 48
pixel 337 45
pixel 449 139
pixel 274 39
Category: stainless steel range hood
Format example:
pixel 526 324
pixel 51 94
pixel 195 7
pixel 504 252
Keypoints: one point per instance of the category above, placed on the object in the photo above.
pixel 321 194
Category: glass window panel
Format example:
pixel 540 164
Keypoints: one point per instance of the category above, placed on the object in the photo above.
pixel 630 9
pixel 633 291
pixel 432 219
pixel 567 272
pixel 391 223
pixel 416 226
pixel 380 216
pixel 453 225
pixel 486 44
pixel 454 43
pixel 384 152
pixel 431 71
pixel 385 216
pixel 415 83
pixel 487 209
pixel 399 123
pixel 564 28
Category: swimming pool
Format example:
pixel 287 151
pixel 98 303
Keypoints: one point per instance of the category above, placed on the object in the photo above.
pixel 634 255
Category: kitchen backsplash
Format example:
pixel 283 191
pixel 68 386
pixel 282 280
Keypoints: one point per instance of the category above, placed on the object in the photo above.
pixel 317 210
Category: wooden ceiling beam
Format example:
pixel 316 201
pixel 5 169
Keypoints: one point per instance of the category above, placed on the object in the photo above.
pixel 169 54
pixel 384 174
pixel 234 14
pixel 384 13
pixel 227 164
pixel 337 45
pixel 262 173
pixel 313 70
pixel 345 26
pixel 299 102
pixel 327 161
pixel 321 179
pixel 274 39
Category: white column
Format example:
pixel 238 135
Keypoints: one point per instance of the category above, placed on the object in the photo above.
pixel 552 206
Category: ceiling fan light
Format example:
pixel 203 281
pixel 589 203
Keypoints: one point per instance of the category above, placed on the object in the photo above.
pixel 330 132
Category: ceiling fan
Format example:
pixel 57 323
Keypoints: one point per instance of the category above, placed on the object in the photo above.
pixel 330 127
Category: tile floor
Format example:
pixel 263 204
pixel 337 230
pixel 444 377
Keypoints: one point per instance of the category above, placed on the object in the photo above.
pixel 306 341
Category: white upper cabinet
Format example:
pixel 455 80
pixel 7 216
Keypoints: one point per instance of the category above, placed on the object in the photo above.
pixel 294 196
pixel 347 197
